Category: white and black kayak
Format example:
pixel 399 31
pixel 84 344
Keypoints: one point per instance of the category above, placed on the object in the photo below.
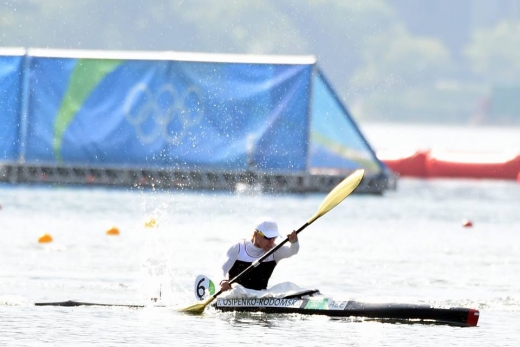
pixel 407 313
pixel 287 298
pixel 333 308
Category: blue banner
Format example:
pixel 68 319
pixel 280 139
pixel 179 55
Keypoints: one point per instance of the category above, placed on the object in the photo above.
pixel 176 114
pixel 11 74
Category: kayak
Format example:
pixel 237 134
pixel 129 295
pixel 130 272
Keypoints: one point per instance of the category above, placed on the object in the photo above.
pixel 458 316
pixel 410 313
pixel 288 298
pixel 406 313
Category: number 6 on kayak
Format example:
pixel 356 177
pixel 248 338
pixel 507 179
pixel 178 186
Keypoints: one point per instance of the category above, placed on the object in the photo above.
pixel 203 287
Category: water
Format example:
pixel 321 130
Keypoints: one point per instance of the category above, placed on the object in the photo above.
pixel 408 246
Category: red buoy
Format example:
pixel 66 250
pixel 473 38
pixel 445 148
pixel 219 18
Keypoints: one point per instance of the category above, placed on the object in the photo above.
pixel 466 223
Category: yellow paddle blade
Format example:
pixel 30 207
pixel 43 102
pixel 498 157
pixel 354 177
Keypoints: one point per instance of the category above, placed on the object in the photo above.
pixel 197 308
pixel 339 193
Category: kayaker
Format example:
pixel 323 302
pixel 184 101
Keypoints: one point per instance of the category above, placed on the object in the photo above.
pixel 242 254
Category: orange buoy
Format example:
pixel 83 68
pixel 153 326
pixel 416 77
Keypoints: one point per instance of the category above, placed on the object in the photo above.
pixel 466 223
pixel 45 238
pixel 113 231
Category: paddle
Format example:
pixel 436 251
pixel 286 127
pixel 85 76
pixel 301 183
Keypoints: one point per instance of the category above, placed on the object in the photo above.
pixel 337 195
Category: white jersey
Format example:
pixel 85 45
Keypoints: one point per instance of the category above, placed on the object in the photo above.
pixel 242 254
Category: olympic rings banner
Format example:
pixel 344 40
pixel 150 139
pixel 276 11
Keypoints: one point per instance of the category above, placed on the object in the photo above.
pixel 11 73
pixel 117 109
pixel 163 113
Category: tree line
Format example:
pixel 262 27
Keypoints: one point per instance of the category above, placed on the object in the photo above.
pixel 381 68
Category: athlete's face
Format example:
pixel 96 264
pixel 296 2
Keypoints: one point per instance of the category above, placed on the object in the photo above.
pixel 263 242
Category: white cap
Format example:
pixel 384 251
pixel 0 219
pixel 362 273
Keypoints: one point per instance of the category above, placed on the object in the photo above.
pixel 268 227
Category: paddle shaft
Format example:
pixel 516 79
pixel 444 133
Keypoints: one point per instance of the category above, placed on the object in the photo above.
pixel 262 258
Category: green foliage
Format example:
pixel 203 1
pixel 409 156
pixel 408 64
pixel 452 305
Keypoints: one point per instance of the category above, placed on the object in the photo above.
pixel 364 47
pixel 432 104
pixel 252 27
pixel 396 59
pixel 494 53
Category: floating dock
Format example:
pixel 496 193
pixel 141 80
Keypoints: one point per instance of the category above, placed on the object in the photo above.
pixel 316 181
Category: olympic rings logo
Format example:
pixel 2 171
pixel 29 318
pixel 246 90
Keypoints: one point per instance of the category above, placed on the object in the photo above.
pixel 165 114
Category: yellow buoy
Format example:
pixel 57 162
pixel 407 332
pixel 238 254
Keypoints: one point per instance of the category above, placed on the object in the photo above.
pixel 151 223
pixel 113 231
pixel 45 238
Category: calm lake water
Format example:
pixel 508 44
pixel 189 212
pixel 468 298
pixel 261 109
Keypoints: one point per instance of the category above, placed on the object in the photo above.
pixel 407 246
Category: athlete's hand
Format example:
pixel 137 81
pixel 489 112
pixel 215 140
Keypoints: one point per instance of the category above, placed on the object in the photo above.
pixel 293 237
pixel 224 285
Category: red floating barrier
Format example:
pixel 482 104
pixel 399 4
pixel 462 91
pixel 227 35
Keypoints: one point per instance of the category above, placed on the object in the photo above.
pixel 405 164
pixel 453 164
pixel 472 165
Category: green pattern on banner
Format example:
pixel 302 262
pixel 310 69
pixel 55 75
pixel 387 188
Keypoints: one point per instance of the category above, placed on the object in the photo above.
pixel 345 152
pixel 85 76
pixel 317 304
